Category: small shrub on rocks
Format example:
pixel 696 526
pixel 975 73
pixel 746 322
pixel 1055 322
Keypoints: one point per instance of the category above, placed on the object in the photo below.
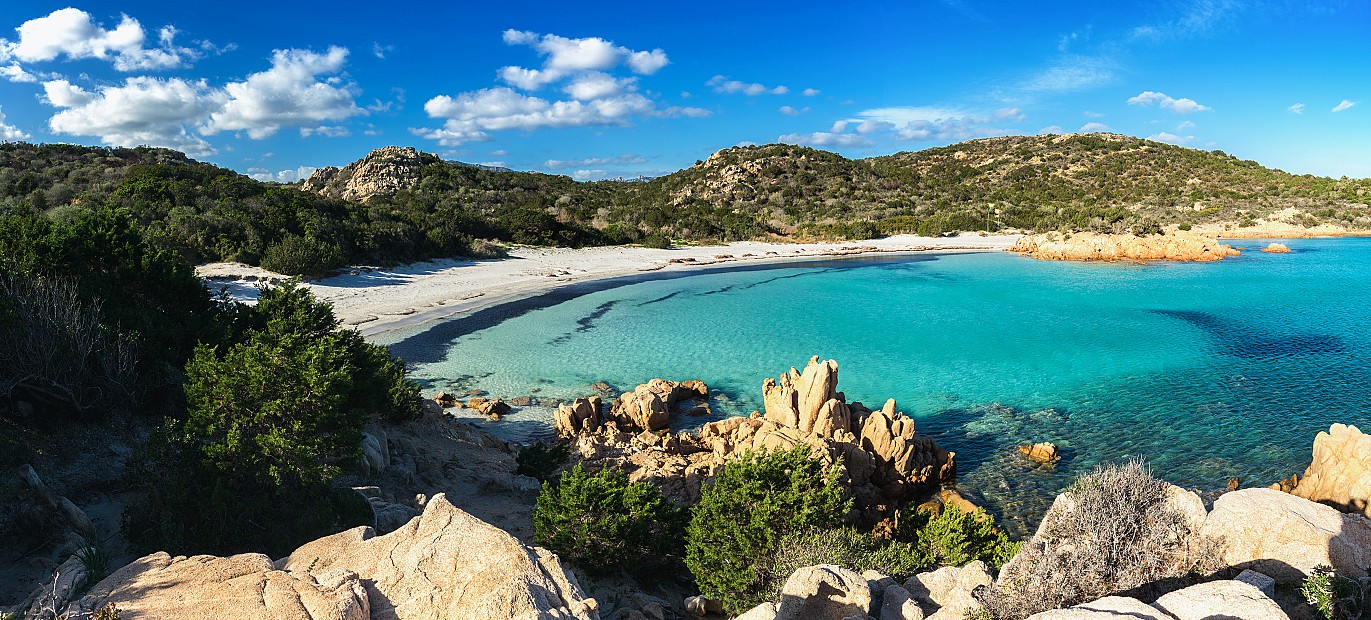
pixel 1116 533
pixel 845 546
pixel 602 522
pixel 540 460
pixel 956 538
pixel 742 518
pixel 1336 597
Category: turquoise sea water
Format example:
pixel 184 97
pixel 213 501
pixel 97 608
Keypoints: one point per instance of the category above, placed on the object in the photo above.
pixel 1207 370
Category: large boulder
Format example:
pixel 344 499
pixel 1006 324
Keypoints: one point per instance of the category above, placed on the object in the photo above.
pixel 807 401
pixel 1340 473
pixel 448 564
pixel 1107 608
pixel 823 592
pixel 948 593
pixel 1220 599
pixel 1286 536
pixel 582 415
pixel 240 586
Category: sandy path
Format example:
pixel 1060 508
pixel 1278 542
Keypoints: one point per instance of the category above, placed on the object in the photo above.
pixel 381 300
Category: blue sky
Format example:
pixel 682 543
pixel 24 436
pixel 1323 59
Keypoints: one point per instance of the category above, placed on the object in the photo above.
pixel 617 89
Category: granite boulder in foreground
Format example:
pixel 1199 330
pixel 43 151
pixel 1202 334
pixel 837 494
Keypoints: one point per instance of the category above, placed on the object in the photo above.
pixel 443 564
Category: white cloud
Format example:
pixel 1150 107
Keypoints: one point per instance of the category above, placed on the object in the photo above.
pixel 327 131
pixel 1344 105
pixel 10 133
pixel 589 175
pixel 586 65
pixel 921 123
pixel 144 110
pixel 1184 125
pixel 289 93
pixel 566 57
pixel 1170 138
pixel 380 51
pixel 810 92
pixel 1009 114
pixel 282 176
pixel 1050 129
pixel 1179 106
pixel 792 111
pixel 470 115
pixel 1070 74
pixel 1296 108
pixel 721 84
pixel 72 33
pixel 16 73
pixel 1089 114
pixel 597 85
pixel 1094 127
pixel 494 164
pixel 826 138
pixel 627 159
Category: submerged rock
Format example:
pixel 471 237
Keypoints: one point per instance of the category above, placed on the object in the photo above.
pixel 1044 452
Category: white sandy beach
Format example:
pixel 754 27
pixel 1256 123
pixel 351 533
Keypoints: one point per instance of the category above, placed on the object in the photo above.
pixel 376 300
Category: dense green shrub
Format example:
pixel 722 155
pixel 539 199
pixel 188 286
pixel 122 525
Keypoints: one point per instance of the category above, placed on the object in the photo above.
pixel 602 522
pixel 752 505
pixel 294 255
pixel 656 240
pixel 272 417
pixel 954 538
pixel 541 460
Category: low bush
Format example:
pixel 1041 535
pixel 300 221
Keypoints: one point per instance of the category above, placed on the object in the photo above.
pixel 541 460
pixel 1117 532
pixel 845 546
pixel 602 522
pixel 657 240
pixel 294 255
pixel 955 538
pixel 1336 597
pixel 752 505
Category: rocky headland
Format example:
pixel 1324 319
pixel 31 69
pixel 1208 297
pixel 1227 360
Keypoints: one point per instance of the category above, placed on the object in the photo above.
pixel 1085 246
pixel 450 538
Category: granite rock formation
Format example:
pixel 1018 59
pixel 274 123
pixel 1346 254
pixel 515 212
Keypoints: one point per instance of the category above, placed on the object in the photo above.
pixel 1340 473
pixel 1178 246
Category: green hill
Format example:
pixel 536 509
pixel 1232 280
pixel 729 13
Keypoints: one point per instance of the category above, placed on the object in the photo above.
pixel 398 204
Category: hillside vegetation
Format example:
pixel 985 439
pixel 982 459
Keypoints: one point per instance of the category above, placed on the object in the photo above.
pixel 398 205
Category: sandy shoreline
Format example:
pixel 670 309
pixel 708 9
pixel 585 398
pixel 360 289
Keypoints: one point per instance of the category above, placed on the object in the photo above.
pixel 376 301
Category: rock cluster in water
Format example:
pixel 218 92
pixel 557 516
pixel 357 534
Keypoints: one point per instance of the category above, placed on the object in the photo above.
pixel 1178 246
pixel 886 461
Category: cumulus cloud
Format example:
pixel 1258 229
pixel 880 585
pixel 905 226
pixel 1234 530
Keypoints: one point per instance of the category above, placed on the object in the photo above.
pixel 721 84
pixel 924 123
pixel 289 93
pixel 589 175
pixel 792 111
pixel 564 57
pixel 1344 105
pixel 16 73
pixel 1296 108
pixel 10 133
pixel 810 92
pixel 177 113
pixel 144 110
pixel 281 176
pixel 1094 127
pixel 471 115
pixel 327 131
pixel 1170 138
pixel 71 33
pixel 627 159
pixel 1179 106
pixel 826 139
pixel 585 67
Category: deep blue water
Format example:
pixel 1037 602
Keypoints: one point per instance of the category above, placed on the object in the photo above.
pixel 1207 370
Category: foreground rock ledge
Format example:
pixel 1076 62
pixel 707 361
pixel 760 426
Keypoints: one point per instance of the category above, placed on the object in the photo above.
pixel 1178 246
pixel 443 564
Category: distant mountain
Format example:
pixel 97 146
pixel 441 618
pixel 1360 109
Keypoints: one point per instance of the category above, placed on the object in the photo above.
pixel 399 204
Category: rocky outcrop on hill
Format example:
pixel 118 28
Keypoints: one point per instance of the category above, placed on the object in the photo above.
pixel 1340 473
pixel 442 564
pixel 1178 246
pixel 383 172
pixel 886 461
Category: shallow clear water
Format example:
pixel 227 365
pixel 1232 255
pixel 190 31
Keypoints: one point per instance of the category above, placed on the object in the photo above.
pixel 1207 370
